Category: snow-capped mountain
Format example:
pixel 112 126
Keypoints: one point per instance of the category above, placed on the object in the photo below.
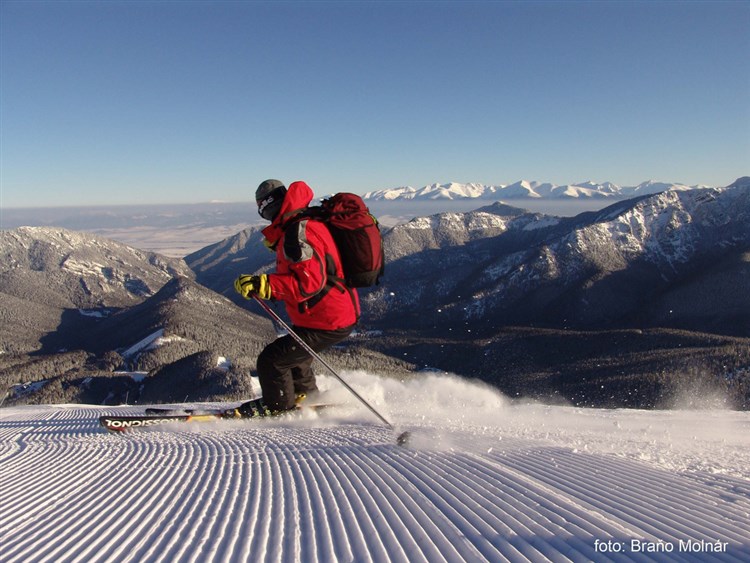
pixel 48 274
pixel 434 191
pixel 176 336
pixel 678 259
pixel 446 230
pixel 593 270
pixel 66 268
pixel 523 189
pixel 499 264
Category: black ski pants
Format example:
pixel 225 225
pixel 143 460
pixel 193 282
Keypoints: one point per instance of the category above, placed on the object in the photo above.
pixel 284 367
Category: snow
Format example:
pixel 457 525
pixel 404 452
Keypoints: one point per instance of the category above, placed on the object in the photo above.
pixel 27 388
pixel 144 344
pixel 483 479
pixel 95 313
pixel 137 376
pixel 84 267
pixel 477 221
pixel 524 189
pixel 151 342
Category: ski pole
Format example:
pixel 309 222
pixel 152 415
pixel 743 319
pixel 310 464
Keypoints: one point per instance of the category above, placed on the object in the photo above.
pixel 401 439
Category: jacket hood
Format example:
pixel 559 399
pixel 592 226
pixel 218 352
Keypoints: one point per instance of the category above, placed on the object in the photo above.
pixel 298 197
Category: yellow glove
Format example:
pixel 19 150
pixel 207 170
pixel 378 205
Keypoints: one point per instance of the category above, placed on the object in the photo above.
pixel 259 285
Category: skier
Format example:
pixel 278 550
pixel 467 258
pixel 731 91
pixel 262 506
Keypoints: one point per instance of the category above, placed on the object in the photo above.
pixel 309 280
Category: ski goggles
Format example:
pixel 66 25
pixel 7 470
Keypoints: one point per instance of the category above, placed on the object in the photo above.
pixel 270 206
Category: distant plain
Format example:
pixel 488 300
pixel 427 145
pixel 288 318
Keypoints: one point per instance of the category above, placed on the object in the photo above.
pixel 179 229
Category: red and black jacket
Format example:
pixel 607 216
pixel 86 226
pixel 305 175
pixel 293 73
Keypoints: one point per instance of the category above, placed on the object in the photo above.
pixel 309 274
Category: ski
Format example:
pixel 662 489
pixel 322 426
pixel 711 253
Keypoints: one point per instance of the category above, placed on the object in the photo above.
pixel 160 417
pixel 121 423
pixel 181 412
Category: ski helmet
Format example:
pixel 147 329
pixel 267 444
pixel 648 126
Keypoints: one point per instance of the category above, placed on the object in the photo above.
pixel 269 196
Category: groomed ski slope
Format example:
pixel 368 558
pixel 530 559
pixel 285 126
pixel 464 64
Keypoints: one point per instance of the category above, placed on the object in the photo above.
pixel 483 480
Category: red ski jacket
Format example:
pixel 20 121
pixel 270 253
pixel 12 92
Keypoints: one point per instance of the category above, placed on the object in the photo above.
pixel 308 267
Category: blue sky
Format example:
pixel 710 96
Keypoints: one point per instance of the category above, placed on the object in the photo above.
pixel 174 102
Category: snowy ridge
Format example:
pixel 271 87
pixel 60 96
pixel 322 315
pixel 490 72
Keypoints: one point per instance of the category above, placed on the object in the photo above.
pixel 579 266
pixel 85 270
pixel 667 227
pixel 489 482
pixel 524 189
pixel 477 221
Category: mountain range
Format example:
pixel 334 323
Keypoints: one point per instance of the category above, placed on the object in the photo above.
pixel 524 189
pixel 65 268
pixel 625 265
pixel 647 295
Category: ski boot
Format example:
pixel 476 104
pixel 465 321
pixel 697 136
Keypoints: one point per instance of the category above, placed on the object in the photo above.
pixel 306 398
pixel 253 409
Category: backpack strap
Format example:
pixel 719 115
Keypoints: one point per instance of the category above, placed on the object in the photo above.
pixel 332 280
